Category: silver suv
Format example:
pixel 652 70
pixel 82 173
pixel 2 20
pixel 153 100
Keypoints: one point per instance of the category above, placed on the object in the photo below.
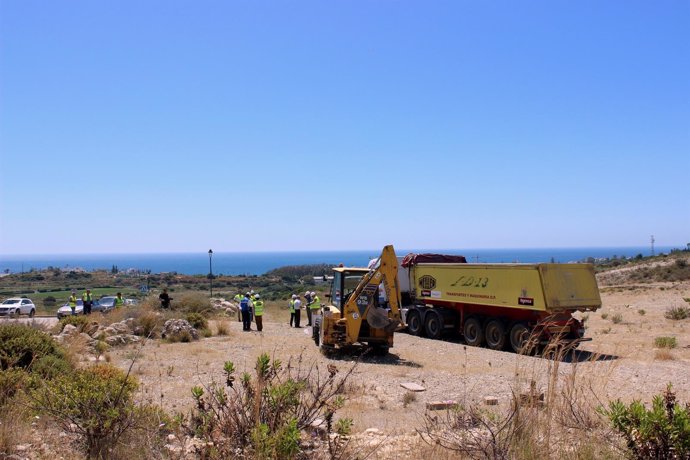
pixel 16 306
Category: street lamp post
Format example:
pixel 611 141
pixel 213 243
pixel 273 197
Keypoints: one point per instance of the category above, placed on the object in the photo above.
pixel 210 270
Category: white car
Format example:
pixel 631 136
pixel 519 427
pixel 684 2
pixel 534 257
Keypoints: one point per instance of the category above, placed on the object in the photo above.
pixel 66 310
pixel 17 306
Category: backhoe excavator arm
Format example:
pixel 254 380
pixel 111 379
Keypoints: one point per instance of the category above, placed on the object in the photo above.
pixel 384 271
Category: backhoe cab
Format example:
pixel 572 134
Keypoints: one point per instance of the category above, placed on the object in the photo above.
pixel 356 314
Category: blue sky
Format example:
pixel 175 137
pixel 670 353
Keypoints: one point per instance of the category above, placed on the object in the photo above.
pixel 155 126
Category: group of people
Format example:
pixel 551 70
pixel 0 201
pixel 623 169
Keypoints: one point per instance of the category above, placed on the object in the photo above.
pixel 250 306
pixel 312 305
pixel 87 301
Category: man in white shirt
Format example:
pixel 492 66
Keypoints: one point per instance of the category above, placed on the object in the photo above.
pixel 298 309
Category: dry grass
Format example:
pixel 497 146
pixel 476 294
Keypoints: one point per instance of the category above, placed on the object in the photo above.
pixel 664 354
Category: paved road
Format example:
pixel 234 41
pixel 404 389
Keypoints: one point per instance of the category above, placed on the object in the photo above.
pixel 47 321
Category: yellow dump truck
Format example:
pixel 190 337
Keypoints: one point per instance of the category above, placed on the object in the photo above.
pixel 496 304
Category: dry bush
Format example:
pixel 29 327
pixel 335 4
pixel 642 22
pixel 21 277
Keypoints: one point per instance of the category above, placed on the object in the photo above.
pixel 553 413
pixel 222 328
pixel 15 427
pixel 677 313
pixel 192 302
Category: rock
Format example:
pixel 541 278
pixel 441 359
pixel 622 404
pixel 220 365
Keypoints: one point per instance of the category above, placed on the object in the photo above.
pixel 440 405
pixel 412 386
pixel 123 339
pixel 69 329
pixel 373 432
pixel 176 329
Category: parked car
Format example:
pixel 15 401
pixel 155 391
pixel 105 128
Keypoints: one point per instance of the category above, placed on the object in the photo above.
pixel 17 306
pixel 104 304
pixel 66 310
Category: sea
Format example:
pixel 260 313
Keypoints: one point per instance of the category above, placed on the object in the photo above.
pixel 258 263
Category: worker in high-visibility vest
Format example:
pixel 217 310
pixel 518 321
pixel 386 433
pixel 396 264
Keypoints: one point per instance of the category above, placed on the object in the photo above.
pixel 258 312
pixel 87 300
pixel 119 301
pixel 73 302
pixel 313 308
pixel 291 307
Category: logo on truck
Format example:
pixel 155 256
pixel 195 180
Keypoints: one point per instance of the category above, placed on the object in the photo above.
pixel 427 282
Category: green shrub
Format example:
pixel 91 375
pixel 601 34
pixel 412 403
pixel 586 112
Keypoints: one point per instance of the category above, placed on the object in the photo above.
pixel 617 318
pixel 604 315
pixel 677 313
pixel 192 303
pixel 662 432
pixel 641 312
pixel 78 321
pixel 11 381
pixel 197 320
pixel 21 346
pixel 665 342
pixel 98 401
pixel 262 416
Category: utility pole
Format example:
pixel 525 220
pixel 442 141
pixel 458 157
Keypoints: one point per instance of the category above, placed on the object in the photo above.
pixel 210 270
pixel 652 241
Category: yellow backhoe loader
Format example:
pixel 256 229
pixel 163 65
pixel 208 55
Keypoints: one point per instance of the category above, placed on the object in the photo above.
pixel 358 312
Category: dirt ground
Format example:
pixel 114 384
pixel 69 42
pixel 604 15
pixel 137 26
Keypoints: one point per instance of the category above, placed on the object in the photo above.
pixel 621 361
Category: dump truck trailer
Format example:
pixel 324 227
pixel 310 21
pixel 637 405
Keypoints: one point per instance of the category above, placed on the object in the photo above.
pixel 497 305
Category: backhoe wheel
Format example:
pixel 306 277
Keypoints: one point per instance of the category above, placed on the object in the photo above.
pixel 519 338
pixel 473 332
pixel 316 332
pixel 495 334
pixel 433 324
pixel 414 323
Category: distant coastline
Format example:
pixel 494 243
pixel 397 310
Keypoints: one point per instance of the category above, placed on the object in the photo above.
pixel 258 263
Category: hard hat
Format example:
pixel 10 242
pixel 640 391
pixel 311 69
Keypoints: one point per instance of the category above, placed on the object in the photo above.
pixel 257 296
pixel 313 293
pixel 294 296
pixel 306 293
pixel 247 294
pixel 252 291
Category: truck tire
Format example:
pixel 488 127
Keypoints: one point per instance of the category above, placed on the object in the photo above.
pixel 495 334
pixel 473 332
pixel 433 324
pixel 519 337
pixel 414 323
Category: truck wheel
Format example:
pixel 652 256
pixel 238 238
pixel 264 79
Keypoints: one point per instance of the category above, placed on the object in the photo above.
pixel 433 325
pixel 519 338
pixel 495 334
pixel 473 332
pixel 414 323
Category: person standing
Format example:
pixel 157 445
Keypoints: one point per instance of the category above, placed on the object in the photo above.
pixel 298 310
pixel 238 299
pixel 245 308
pixel 314 307
pixel 307 300
pixel 165 299
pixel 73 302
pixel 87 300
pixel 258 312
pixel 119 301
pixel 291 307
